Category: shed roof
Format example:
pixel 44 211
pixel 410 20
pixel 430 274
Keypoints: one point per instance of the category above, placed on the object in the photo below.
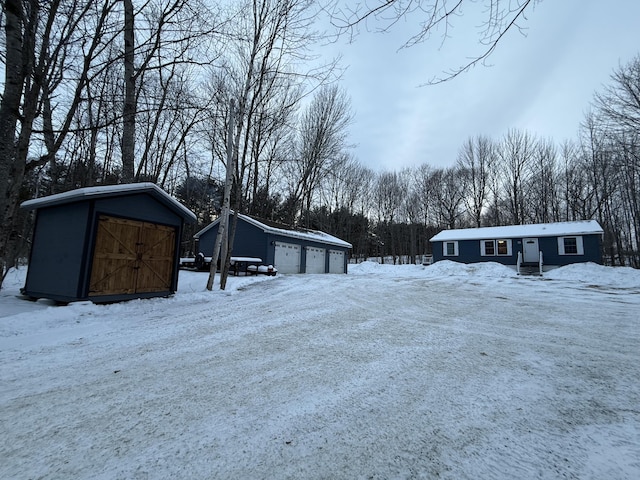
pixel 582 227
pixel 111 191
pixel 311 235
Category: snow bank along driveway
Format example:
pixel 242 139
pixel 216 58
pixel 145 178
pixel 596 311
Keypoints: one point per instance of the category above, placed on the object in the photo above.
pixel 447 371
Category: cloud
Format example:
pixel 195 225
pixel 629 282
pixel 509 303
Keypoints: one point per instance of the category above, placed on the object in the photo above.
pixel 542 82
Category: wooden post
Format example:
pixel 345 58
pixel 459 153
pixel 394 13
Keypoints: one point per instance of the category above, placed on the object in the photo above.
pixel 222 237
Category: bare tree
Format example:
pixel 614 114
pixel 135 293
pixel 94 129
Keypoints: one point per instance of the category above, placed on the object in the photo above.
pixel 270 37
pixel 20 28
pixel 129 104
pixel 619 103
pixel 168 33
pixel 171 113
pixel 38 36
pixel 629 174
pixel 268 41
pixel 543 193
pixel 345 184
pixel 449 193
pixel 476 162
pixel 411 212
pixel 425 188
pixel 567 158
pixel 271 140
pixel 388 194
pixel 515 153
pixel 616 161
pixel 321 144
pixel 578 191
pixel 495 20
pixel 599 161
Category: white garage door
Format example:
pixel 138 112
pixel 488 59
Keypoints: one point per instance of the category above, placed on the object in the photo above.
pixel 315 260
pixel 336 261
pixel 287 258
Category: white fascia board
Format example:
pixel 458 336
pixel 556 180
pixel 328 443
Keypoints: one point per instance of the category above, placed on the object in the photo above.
pixel 207 228
pixel 105 191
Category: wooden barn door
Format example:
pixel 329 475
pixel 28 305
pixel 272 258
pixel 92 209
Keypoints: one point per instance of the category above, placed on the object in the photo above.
pixel 156 257
pixel 131 257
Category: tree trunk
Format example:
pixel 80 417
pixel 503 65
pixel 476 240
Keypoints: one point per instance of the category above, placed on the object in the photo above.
pixel 129 110
pixel 222 238
pixel 15 74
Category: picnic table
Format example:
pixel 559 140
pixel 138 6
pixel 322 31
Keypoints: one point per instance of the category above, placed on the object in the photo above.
pixel 241 265
pixel 238 265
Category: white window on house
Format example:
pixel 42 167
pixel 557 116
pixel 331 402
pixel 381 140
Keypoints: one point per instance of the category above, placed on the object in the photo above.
pixel 490 248
pixel 450 249
pixel 503 247
pixel 570 246
pixel 487 248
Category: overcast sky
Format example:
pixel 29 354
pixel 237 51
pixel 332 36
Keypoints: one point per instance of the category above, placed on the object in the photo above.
pixel 542 83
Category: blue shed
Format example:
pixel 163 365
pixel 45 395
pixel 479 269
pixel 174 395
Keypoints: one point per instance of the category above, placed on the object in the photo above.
pixel 105 244
pixel 289 250
pixel 534 245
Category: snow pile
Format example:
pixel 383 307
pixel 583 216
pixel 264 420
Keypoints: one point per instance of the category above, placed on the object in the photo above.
pixel 446 371
pixel 447 268
pixel 374 268
pixel 442 269
pixel 594 274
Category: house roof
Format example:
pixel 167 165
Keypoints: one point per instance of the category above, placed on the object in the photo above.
pixel 311 235
pixel 583 227
pixel 111 191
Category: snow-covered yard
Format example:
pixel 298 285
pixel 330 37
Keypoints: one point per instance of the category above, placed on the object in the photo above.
pixel 447 371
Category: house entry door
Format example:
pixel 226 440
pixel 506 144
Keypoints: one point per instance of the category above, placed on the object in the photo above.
pixel 530 250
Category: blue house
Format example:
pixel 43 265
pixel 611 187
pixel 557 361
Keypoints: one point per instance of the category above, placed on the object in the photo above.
pixel 535 245
pixel 289 250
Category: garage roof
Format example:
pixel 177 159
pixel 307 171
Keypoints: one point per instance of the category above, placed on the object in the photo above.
pixel 582 227
pixel 311 235
pixel 111 191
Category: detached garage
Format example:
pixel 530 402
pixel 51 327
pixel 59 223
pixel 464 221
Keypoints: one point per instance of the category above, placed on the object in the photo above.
pixel 105 244
pixel 289 250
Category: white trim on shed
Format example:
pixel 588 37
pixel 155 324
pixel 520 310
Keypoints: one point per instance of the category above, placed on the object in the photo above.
pixel 103 191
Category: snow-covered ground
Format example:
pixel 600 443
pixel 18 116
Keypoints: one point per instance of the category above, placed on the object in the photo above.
pixel 447 371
